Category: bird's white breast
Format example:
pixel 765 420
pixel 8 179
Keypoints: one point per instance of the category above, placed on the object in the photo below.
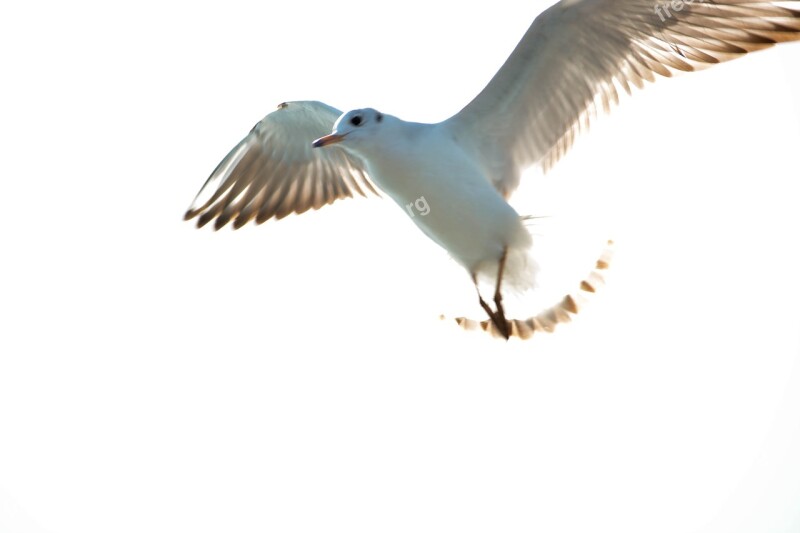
pixel 444 193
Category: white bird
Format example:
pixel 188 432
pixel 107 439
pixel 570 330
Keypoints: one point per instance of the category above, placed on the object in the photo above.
pixel 454 177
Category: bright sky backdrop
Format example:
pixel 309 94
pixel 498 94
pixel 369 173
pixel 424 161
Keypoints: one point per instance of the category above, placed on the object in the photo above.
pixel 294 377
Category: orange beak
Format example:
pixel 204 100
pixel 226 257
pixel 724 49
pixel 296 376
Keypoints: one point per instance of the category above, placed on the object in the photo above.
pixel 333 138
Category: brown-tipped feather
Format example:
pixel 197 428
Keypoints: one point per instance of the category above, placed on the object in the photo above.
pixel 567 64
pixel 274 171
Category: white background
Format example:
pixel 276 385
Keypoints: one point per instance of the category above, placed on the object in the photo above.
pixel 294 377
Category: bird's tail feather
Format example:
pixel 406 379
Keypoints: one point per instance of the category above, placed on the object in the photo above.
pixel 548 319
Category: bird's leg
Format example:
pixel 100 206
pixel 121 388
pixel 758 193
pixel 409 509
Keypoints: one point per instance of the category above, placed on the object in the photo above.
pixel 484 305
pixel 499 318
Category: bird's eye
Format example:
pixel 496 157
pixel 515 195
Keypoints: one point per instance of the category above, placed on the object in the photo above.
pixel 379 117
pixel 356 120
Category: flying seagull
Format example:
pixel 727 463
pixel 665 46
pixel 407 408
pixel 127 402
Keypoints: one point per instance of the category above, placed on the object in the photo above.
pixel 454 178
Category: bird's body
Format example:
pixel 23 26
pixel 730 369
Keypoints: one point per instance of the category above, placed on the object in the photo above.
pixel 441 187
pixel 453 178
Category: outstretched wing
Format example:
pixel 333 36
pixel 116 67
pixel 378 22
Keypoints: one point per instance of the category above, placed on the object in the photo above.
pixel 275 171
pixel 578 54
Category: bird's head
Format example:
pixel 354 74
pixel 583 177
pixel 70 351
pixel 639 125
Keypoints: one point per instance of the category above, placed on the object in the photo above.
pixel 354 128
